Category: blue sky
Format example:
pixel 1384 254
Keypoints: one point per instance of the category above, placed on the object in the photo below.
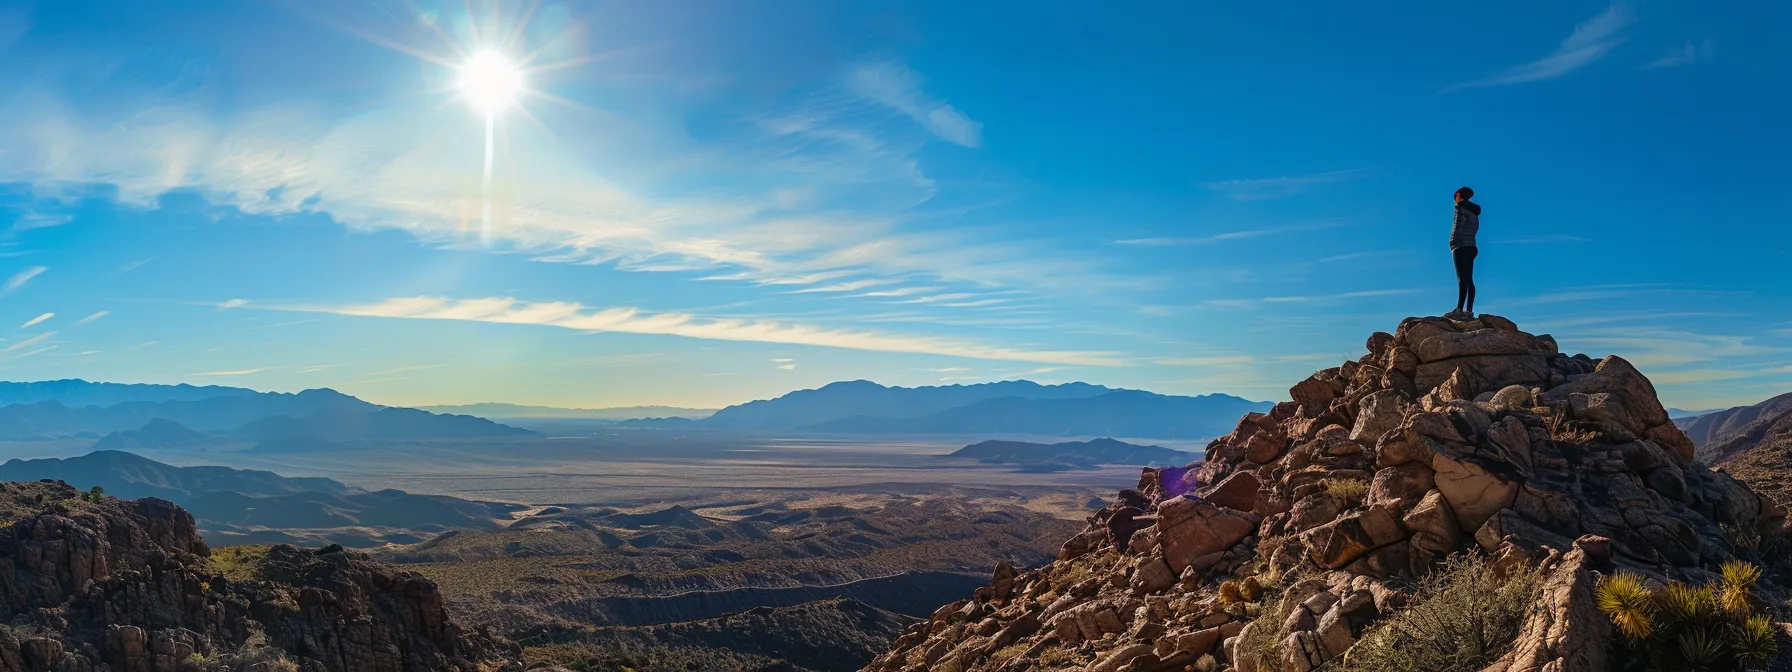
pixel 702 203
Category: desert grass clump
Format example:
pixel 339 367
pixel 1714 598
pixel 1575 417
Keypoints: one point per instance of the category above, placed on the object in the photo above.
pixel 1207 663
pixel 1682 626
pixel 1350 491
pixel 1231 593
pixel 1463 616
pixel 1251 589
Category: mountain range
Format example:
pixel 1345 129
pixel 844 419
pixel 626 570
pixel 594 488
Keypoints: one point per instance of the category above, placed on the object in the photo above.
pixel 77 408
pixel 1010 407
pixel 1072 454
pixel 498 411
pixel 251 506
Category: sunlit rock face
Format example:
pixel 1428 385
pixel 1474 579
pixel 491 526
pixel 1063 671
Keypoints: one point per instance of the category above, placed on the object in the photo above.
pixel 1448 436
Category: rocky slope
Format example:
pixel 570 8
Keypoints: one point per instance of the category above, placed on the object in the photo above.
pixel 97 583
pixel 1313 523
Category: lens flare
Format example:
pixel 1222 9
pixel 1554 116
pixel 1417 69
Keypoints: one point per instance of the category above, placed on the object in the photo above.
pixel 490 82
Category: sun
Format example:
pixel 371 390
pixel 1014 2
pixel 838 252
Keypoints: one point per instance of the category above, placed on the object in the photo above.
pixel 489 81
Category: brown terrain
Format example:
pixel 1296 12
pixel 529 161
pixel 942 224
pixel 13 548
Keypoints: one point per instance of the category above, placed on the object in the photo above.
pixel 1463 497
pixel 1752 442
pixel 779 578
pixel 97 583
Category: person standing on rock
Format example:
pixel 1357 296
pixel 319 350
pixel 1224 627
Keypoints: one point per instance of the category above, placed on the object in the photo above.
pixel 1463 250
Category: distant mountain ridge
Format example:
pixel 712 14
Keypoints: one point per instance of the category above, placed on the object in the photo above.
pixel 1073 454
pixel 133 476
pixel 75 392
pixel 1010 407
pixel 500 411
pixel 38 411
pixel 248 505
pixel 1720 435
pixel 805 408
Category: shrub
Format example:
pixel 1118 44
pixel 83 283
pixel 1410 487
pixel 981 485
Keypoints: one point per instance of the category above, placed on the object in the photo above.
pixel 1463 616
pixel 1351 491
pixel 1688 627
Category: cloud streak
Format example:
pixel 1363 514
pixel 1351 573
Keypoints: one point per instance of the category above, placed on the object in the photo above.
pixel 1590 42
pixel 36 320
pixel 1230 235
pixel 91 318
pixel 19 279
pixel 898 87
pixel 1685 54
pixel 1278 187
pixel 574 316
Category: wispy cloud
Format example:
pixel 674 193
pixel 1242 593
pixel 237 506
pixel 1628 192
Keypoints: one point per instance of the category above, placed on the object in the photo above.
pixel 1353 256
pixel 233 303
pixel 34 340
pixel 898 87
pixel 237 372
pixel 1257 189
pixel 1208 361
pixel 129 266
pixel 853 286
pixel 1231 235
pixel 785 363
pixel 1685 54
pixel 36 320
pixel 19 279
pixel 90 318
pixel 40 220
pixel 570 315
pixel 1590 41
pixel 1248 303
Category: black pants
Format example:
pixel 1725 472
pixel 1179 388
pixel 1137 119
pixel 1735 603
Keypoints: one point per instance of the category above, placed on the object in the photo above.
pixel 1465 277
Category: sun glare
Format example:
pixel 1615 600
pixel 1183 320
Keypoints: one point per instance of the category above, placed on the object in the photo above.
pixel 490 82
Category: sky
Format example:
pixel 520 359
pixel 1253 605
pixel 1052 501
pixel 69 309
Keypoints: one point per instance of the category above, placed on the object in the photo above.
pixel 702 203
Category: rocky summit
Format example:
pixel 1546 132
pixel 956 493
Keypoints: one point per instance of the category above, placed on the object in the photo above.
pixel 90 583
pixel 1312 527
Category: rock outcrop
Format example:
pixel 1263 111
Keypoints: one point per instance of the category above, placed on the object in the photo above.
pixel 94 584
pixel 1449 436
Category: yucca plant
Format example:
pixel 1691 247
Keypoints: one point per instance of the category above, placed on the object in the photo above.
pixel 1700 651
pixel 1688 627
pixel 1754 640
pixel 1626 599
pixel 1738 590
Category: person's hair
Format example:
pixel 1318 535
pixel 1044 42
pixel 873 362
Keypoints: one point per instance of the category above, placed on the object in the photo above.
pixel 1465 192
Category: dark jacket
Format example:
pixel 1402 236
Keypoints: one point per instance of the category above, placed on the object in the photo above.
pixel 1466 225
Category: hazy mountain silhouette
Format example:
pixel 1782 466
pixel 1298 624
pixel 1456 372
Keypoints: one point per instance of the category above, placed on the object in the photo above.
pixel 1130 413
pixel 340 424
pixel 1073 454
pixel 804 408
pixel 40 412
pixel 497 411
pixel 133 476
pixel 157 434
pixel 75 392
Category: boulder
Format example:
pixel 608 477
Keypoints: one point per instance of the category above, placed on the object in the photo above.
pixel 1238 492
pixel 1448 345
pixel 1190 528
pixel 1401 486
pixel 1475 486
pixel 1353 535
pixel 1433 526
pixel 1565 631
pixel 1377 413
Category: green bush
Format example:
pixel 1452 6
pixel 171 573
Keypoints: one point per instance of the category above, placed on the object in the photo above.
pixel 1717 626
pixel 1463 616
